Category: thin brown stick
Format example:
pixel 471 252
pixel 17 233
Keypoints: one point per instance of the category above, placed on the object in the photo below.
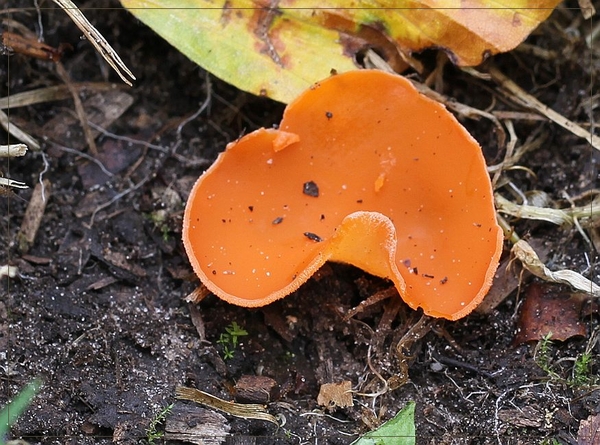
pixel 87 131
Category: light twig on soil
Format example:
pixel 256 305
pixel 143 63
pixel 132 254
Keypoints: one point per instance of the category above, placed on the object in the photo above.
pixel 17 133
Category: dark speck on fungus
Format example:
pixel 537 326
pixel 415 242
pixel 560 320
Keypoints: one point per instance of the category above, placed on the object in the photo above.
pixel 310 188
pixel 313 237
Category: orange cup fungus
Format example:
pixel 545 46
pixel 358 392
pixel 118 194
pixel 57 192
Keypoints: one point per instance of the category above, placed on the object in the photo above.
pixel 362 170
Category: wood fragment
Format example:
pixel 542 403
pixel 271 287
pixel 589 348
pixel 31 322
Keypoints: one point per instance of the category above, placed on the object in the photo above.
pixel 587 8
pixel 371 300
pixel 243 410
pixel 32 47
pixel 33 215
pixel 8 271
pixel 256 389
pixel 196 425
pixel 102 283
pixel 12 150
pixel 6 182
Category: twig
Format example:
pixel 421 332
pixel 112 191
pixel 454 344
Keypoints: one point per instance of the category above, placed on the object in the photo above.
pixel 47 94
pixel 12 150
pixel 83 120
pixel 243 410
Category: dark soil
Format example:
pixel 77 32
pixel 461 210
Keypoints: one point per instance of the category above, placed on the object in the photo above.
pixel 97 310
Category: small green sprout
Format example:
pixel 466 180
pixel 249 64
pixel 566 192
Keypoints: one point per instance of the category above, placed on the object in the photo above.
pixel 542 355
pixel 582 370
pixel 11 412
pixel 152 432
pixel 230 339
pixel 159 219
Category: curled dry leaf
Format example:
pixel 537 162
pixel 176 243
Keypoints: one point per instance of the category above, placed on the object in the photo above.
pixel 277 49
pixel 530 260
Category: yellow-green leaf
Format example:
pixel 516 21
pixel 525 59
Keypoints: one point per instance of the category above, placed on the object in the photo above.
pixel 277 48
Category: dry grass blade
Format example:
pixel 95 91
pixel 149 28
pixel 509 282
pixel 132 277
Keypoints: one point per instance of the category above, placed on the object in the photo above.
pixel 519 96
pixel 96 39
pixel 243 410
pixel 555 216
pixel 530 260
pixel 48 94
pixel 17 133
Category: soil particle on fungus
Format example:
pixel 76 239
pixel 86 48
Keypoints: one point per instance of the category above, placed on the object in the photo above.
pixel 310 188
pixel 277 220
pixel 313 237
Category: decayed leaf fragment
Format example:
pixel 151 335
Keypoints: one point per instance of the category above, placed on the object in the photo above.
pixel 335 395
pixel 589 431
pixel 277 49
pixel 549 312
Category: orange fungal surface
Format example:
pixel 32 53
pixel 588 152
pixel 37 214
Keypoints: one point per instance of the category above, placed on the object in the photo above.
pixel 362 170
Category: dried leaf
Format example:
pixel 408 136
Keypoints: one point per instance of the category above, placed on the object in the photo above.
pixel 335 395
pixel 530 260
pixel 276 49
pixel 547 312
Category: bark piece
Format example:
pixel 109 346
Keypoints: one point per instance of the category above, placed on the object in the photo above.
pixel 33 215
pixel 256 389
pixel 197 425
